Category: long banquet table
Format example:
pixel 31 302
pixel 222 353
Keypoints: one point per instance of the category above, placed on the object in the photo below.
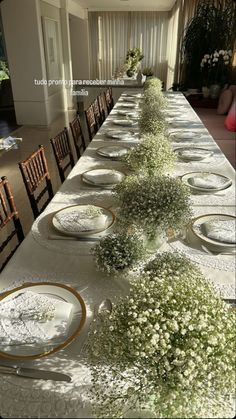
pixel 40 258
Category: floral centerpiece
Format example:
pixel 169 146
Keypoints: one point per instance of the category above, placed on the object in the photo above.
pixel 153 83
pixel 133 58
pixel 154 204
pixel 119 251
pixel 153 155
pixel 168 348
pixel 215 68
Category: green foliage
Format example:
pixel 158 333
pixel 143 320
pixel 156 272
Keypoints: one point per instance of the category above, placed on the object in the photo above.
pixel 133 57
pixel 4 71
pixel 212 28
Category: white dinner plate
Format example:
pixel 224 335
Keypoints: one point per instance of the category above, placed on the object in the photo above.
pixel 185 135
pixel 61 293
pixel 113 151
pixel 193 153
pixel 223 181
pixel 103 223
pixel 127 105
pixel 197 227
pixel 98 173
pixel 130 114
pixel 117 135
pixel 125 122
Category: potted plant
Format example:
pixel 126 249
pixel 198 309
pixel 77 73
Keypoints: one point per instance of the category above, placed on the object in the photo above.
pixel 216 67
pixel 212 28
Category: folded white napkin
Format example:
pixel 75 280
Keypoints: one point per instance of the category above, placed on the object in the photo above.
pixel 77 221
pixel 220 230
pixel 104 177
pixel 32 318
pixel 210 181
pixel 5 143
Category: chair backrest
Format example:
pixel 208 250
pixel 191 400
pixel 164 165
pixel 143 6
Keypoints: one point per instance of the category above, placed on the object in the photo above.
pixel 91 122
pixel 109 99
pixel 102 106
pixel 8 215
pixel 97 113
pixel 62 152
pixel 78 137
pixel 35 174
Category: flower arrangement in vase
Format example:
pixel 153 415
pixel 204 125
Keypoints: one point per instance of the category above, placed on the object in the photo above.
pixel 167 349
pixel 133 58
pixel 154 204
pixel 153 155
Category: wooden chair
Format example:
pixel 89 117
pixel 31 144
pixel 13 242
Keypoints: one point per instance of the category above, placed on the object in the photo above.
pixel 62 152
pixel 35 174
pixel 97 113
pixel 8 215
pixel 91 122
pixel 109 99
pixel 78 137
pixel 102 106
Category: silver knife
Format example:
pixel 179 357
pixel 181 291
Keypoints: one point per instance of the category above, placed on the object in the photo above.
pixel 33 373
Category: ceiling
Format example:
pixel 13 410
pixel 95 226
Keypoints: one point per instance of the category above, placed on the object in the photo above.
pixel 133 5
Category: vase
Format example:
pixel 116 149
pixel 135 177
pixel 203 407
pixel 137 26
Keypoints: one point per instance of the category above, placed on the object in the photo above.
pixel 205 91
pixel 153 243
pixel 214 91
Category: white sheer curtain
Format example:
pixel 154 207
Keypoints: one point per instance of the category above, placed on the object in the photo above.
pixel 149 33
pixel 172 44
pixel 113 33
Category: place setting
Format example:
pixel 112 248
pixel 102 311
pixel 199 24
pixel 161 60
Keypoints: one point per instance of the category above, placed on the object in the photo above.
pixel 121 135
pixel 37 320
pixel 193 154
pixel 209 240
pixel 102 177
pixel 206 182
pixel 113 152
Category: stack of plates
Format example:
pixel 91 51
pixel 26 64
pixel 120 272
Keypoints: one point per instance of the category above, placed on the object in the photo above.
pixel 106 178
pixel 72 318
pixel 113 151
pixel 206 182
pixel 82 220
pixel 125 122
pixel 216 230
pixel 184 135
pixel 117 135
pixel 193 153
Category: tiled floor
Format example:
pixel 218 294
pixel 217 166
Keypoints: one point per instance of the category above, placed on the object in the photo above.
pixel 33 136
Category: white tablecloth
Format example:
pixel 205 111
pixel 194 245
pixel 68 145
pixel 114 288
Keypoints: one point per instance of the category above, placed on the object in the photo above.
pixel 68 262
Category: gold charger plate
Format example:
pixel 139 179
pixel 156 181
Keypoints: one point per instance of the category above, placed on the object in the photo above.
pixel 60 292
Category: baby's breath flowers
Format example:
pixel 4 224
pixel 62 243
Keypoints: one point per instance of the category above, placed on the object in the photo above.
pixel 153 155
pixel 154 203
pixel 168 347
pixel 119 251
pixel 152 120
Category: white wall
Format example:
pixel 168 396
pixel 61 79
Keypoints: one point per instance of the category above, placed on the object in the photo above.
pixel 79 48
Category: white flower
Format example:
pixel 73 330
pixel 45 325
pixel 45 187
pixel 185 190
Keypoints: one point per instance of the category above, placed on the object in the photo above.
pixel 226 62
pixel 221 52
pixel 226 57
pixel 215 60
pixel 216 54
pixel 206 56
